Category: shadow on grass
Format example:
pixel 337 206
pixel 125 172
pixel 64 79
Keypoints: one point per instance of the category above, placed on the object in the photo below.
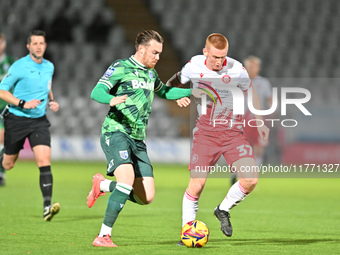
pixel 263 241
pixel 274 241
pixel 77 218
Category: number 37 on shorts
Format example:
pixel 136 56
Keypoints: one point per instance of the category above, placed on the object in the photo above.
pixel 244 150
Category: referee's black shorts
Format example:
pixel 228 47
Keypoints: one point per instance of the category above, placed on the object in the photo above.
pixel 17 129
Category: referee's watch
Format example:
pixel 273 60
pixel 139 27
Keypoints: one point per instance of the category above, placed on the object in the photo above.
pixel 22 103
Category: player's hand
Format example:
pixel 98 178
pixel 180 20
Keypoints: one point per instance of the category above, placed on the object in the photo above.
pixel 183 102
pixel 54 106
pixel 263 132
pixel 32 104
pixel 118 100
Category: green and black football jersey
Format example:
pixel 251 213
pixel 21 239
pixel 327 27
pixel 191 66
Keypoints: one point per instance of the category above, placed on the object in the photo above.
pixel 5 64
pixel 129 77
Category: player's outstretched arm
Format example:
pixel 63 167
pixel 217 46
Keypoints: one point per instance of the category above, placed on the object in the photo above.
pixel 171 93
pixel 183 102
pixel 174 82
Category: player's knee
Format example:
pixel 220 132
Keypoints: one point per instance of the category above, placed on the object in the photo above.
pixel 8 165
pixel 43 162
pixel 249 184
pixel 147 200
pixel 196 187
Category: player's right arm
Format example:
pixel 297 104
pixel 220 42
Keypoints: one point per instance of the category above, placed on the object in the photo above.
pixel 100 92
pixel 9 81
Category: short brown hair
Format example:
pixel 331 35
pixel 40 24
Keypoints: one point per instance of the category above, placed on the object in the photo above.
pixel 143 38
pixel 36 33
pixel 217 40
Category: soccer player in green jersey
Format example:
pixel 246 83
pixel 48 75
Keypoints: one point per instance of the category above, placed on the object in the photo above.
pixel 128 86
pixel 5 62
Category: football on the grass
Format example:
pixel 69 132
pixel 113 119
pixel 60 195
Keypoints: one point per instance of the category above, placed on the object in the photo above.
pixel 195 234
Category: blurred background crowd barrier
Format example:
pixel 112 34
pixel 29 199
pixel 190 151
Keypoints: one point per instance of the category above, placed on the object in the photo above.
pixel 293 38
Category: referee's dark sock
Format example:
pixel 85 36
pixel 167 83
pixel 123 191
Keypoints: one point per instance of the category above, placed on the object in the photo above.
pixel 132 197
pixel 2 169
pixel 46 183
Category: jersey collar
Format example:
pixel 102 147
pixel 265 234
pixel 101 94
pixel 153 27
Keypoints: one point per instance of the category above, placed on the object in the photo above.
pixel 136 62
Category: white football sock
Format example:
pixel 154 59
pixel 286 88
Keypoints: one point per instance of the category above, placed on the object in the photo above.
pixel 105 230
pixel 189 207
pixel 235 195
pixel 105 185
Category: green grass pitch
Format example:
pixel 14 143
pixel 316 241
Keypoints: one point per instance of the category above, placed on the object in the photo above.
pixel 281 216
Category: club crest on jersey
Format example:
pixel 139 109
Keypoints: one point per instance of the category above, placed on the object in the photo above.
pixel 194 158
pixel 226 78
pixel 123 154
pixel 150 74
pixel 109 72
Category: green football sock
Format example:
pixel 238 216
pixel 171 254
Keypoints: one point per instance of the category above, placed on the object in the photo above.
pixel 132 197
pixel 116 203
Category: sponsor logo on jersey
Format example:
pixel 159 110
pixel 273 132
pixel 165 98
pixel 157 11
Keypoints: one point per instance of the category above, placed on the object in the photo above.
pixel 137 73
pixel 123 154
pixel 136 84
pixel 226 78
pixel 201 75
pixel 109 72
pixel 207 88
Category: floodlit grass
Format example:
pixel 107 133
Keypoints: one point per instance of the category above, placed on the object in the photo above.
pixel 282 216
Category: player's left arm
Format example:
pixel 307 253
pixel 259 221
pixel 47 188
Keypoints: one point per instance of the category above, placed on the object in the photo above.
pixel 176 81
pixel 170 93
pixel 54 105
pixel 261 128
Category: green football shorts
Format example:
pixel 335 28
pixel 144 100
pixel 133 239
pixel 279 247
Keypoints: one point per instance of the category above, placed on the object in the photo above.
pixel 119 148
